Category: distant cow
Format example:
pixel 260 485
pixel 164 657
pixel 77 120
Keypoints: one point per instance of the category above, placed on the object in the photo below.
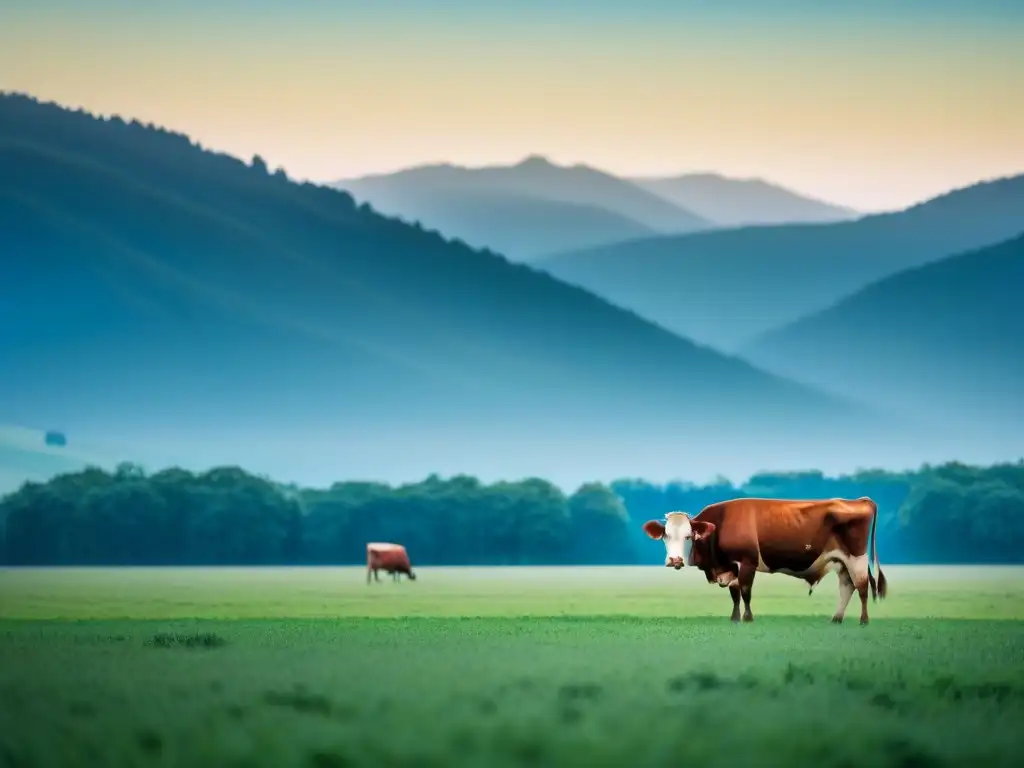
pixel 732 540
pixel 390 558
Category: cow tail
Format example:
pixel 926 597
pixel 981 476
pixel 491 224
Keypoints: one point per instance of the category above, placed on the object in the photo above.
pixel 882 586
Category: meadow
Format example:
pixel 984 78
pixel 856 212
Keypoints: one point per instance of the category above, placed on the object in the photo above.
pixel 491 666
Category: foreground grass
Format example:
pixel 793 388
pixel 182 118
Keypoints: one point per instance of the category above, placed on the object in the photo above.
pixel 518 684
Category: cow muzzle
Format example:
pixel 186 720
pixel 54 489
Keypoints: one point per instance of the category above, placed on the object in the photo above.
pixel 674 562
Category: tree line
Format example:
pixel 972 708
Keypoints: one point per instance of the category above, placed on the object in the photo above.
pixel 951 513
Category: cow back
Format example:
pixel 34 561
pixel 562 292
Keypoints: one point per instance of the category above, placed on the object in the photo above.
pixel 388 556
pixel 781 534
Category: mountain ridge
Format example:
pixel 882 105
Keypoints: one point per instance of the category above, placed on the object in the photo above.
pixel 211 301
pixel 511 223
pixel 943 340
pixel 725 287
pixel 733 202
pixel 454 199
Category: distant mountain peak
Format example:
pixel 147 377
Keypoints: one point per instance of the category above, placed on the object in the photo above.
pixel 528 209
pixel 707 176
pixel 535 161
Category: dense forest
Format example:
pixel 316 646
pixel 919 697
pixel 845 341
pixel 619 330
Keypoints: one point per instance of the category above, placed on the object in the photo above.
pixel 952 513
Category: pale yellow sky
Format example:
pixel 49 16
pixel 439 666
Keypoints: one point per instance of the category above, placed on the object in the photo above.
pixel 876 117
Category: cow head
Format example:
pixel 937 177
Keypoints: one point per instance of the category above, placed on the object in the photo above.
pixel 682 536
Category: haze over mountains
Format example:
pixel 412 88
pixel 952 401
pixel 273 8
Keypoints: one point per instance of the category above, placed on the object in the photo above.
pixel 943 342
pixel 725 287
pixel 540 205
pixel 520 226
pixel 188 304
pixel 536 208
pixel 741 202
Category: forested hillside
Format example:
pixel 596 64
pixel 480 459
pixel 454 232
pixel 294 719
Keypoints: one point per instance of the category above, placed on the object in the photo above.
pixel 170 295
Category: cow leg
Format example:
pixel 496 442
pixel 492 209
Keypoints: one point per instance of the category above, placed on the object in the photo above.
pixel 376 575
pixel 734 593
pixel 855 537
pixel 861 579
pixel 862 590
pixel 368 571
pixel 845 593
pixel 746 579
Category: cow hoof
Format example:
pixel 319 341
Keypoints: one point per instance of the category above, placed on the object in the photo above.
pixel 863 622
pixel 748 617
pixel 837 619
pixel 735 619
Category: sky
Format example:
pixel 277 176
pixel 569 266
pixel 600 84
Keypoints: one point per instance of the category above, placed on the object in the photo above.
pixel 876 104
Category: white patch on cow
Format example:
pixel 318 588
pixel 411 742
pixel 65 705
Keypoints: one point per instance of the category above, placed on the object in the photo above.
pixel 678 532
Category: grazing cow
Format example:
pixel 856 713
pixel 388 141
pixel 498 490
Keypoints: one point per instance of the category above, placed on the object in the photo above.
pixel 732 540
pixel 390 558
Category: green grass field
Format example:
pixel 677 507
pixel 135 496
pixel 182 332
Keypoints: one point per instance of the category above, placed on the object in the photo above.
pixel 532 666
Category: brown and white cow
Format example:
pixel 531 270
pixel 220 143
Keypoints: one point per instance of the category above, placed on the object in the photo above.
pixel 730 541
pixel 387 557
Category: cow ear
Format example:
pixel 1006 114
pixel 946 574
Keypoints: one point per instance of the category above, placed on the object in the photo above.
pixel 701 530
pixel 654 529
